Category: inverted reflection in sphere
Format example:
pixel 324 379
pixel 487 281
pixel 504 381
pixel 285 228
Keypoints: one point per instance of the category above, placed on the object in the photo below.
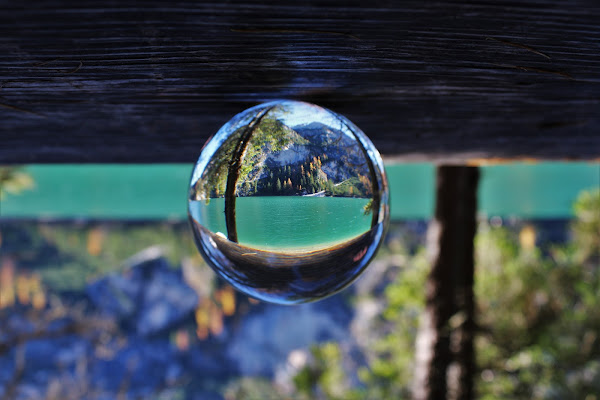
pixel 289 202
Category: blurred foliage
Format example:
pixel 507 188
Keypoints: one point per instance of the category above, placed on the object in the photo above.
pixel 587 229
pixel 538 313
pixel 67 256
pixel 252 388
pixel 14 181
pixel 325 376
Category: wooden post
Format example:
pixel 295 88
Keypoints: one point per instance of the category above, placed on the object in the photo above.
pixel 445 358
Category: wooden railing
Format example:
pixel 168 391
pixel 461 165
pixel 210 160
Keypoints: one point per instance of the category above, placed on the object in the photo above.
pixel 116 81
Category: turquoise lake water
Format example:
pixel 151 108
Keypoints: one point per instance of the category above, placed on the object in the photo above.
pixel 291 222
pixel 159 191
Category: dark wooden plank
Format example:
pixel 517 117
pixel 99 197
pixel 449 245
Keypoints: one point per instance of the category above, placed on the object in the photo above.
pixel 114 81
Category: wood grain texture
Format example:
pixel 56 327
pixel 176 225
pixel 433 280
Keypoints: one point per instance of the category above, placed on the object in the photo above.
pixel 114 81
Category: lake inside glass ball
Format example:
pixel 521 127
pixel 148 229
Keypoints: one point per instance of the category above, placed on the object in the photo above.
pixel 289 202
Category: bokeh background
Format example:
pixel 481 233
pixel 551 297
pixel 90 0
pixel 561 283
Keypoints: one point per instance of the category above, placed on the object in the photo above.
pixel 103 294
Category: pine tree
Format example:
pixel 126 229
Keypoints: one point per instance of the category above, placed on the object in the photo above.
pixel 311 184
pixel 278 185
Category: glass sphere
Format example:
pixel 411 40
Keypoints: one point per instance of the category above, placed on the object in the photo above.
pixel 289 202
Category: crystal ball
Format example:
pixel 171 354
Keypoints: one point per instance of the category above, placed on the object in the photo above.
pixel 289 202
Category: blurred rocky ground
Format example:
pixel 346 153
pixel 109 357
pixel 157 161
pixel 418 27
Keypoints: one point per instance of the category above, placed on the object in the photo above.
pixel 151 329
pixel 133 335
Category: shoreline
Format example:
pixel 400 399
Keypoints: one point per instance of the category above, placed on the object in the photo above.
pixel 298 249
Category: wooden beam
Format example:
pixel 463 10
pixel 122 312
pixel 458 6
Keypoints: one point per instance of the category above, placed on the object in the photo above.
pixel 113 81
